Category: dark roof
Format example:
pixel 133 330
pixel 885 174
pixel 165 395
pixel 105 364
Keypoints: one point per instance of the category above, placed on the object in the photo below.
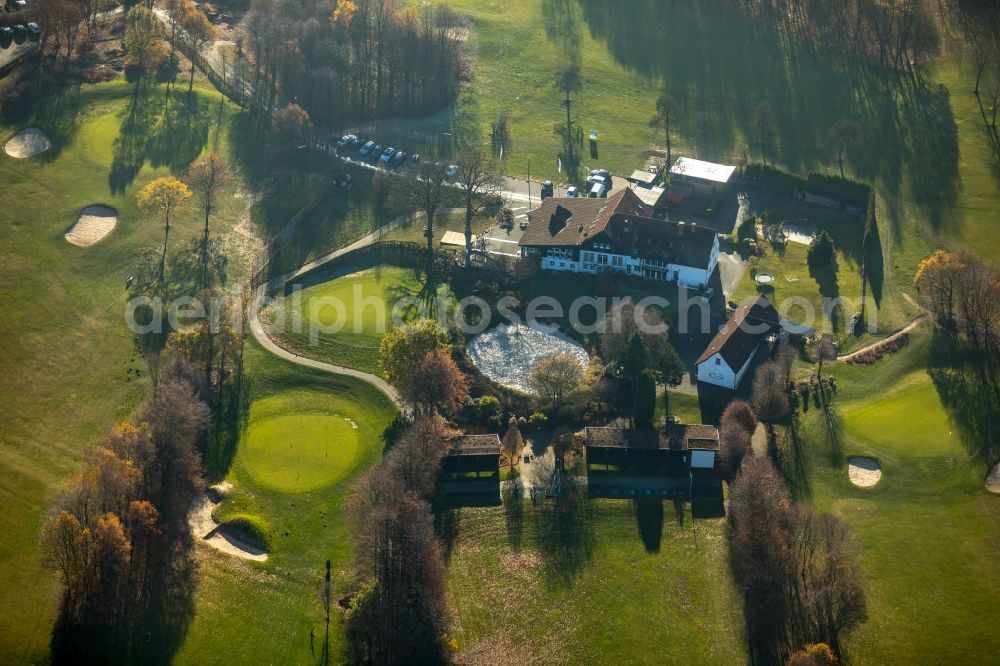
pixel 561 222
pixel 738 339
pixel 475 445
pixel 620 221
pixel 676 437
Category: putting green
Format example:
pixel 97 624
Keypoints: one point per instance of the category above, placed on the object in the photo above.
pixel 909 420
pixel 300 452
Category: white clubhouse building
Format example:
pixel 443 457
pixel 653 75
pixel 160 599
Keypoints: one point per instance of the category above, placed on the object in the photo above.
pixel 592 235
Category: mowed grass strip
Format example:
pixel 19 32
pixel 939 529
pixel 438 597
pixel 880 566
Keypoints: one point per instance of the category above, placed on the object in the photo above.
pixel 343 320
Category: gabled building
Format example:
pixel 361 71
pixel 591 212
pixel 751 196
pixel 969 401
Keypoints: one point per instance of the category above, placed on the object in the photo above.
pixel 586 235
pixel 753 329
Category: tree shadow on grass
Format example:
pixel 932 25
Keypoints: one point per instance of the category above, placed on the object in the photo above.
pixel 968 391
pixel 649 520
pixel 565 536
pixel 173 138
pixel 513 511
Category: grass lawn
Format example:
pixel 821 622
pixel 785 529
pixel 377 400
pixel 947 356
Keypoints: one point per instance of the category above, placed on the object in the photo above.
pixel 366 304
pixel 70 369
pixel 262 613
pixel 908 421
pixel 927 530
pixel 414 231
pixel 799 292
pixel 608 583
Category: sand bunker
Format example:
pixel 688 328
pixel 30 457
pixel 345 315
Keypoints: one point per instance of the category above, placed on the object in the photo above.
pixel 993 480
pixel 27 143
pixel 204 527
pixel 95 223
pixel 863 472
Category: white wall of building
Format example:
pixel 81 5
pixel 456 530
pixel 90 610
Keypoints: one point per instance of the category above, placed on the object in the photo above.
pixel 594 261
pixel 715 370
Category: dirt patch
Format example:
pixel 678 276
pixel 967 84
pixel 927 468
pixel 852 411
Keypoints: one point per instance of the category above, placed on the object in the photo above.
pixel 204 527
pixel 863 472
pixel 518 561
pixel 27 143
pixel 993 480
pixel 94 223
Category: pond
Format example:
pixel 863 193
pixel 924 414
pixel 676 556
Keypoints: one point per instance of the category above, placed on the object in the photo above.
pixel 508 353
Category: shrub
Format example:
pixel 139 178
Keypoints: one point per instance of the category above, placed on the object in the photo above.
pixel 537 420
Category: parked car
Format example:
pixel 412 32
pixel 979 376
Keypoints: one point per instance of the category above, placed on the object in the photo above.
pixel 414 159
pixel 20 30
pixel 376 152
pixel 451 171
pixel 598 187
pixel 547 189
pixel 572 192
pixel 367 148
pixel 6 32
pixel 17 5
pixel 388 154
pixel 355 144
pixel 601 172
pixel 399 158
pixel 344 140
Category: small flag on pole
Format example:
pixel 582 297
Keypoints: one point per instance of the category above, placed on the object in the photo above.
pixel 560 165
pixel 501 153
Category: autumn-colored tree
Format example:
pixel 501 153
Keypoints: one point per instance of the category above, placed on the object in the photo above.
pixel 343 13
pixel 769 393
pixel 163 196
pixel 402 347
pixel 292 124
pixel 513 443
pixel 435 382
pixel 938 280
pixel 144 37
pixel 736 428
pixel 555 377
pixel 200 32
pixel 207 177
pixel 813 654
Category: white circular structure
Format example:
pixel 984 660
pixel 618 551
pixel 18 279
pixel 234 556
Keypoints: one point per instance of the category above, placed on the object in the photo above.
pixel 508 353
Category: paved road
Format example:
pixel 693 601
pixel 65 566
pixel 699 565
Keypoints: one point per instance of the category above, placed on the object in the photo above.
pixel 12 51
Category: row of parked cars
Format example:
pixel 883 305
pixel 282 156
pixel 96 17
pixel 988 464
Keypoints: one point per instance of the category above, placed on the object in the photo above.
pixel 29 30
pixel 389 156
